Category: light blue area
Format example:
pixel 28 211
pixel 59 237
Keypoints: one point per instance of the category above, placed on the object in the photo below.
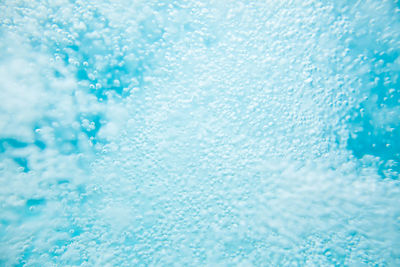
pixel 199 133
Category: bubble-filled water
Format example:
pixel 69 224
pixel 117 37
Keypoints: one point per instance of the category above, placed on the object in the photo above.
pixel 200 133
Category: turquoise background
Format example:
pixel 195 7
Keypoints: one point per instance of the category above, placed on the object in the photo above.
pixel 199 133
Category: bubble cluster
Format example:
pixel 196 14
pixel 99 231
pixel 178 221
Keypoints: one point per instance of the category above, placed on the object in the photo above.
pixel 187 133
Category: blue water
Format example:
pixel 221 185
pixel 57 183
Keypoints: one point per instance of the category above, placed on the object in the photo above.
pixel 199 133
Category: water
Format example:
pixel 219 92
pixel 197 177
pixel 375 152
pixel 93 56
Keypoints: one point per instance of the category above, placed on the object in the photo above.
pixel 209 133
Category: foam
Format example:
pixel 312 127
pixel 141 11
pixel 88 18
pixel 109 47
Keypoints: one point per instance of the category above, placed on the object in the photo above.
pixel 199 133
